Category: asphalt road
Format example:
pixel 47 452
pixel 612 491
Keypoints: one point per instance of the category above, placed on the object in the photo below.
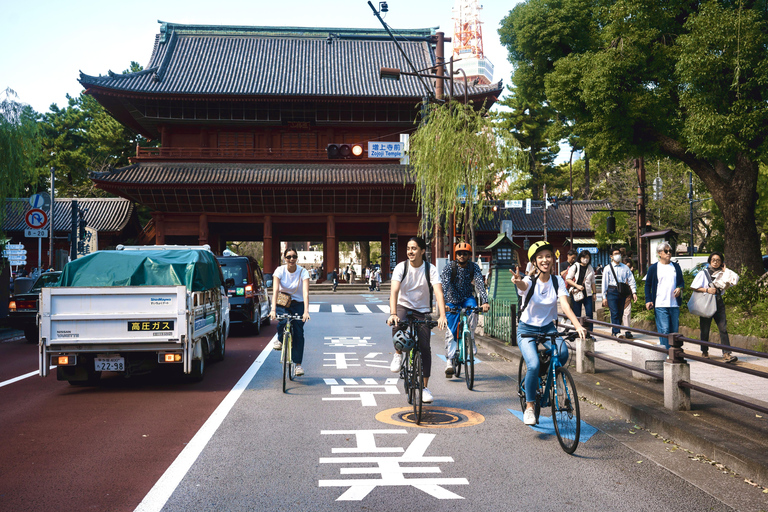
pixel 236 442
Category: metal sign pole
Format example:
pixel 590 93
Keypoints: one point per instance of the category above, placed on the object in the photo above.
pixel 51 258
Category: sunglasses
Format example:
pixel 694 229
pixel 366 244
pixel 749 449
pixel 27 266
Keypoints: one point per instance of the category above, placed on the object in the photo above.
pixel 666 251
pixel 292 257
pixel 462 253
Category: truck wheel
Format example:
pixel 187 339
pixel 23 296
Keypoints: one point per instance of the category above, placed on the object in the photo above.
pixel 218 350
pixel 32 334
pixel 198 370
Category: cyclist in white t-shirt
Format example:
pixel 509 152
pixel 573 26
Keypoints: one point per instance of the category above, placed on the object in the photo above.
pixel 293 280
pixel 539 315
pixel 411 294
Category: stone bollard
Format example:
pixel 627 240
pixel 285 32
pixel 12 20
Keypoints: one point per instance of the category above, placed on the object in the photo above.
pixel 585 363
pixel 649 359
pixel 675 397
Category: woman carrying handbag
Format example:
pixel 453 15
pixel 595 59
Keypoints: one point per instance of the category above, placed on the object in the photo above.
pixel 707 301
pixel 581 279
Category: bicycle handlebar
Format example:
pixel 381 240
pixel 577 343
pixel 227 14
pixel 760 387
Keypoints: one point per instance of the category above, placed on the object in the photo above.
pixel 540 338
pixel 286 316
pixel 403 324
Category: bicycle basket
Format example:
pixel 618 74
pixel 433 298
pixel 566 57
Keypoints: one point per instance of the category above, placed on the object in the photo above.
pixel 403 342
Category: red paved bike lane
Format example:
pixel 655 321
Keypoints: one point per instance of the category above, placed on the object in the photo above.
pixel 101 448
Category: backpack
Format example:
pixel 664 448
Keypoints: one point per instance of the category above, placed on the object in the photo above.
pixel 529 294
pixel 407 264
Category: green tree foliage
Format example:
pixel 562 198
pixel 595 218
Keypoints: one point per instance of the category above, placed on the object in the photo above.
pixel 458 157
pixel 681 79
pixel 18 149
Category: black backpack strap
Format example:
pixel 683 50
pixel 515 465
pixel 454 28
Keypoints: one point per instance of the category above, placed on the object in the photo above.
pixel 454 266
pixel 429 282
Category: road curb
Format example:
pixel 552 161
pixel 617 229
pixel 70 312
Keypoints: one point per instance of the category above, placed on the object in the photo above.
pixel 709 433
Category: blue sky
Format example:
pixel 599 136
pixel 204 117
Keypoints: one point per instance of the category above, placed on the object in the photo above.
pixel 46 43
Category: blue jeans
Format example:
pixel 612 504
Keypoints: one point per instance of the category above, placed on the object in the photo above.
pixel 587 303
pixel 616 307
pixel 667 321
pixel 531 356
pixel 297 345
pixel 453 323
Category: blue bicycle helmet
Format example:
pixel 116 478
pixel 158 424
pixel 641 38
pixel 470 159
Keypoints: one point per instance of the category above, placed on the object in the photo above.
pixel 402 341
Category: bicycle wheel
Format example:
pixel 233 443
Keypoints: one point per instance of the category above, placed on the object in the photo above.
pixel 521 372
pixel 417 386
pixel 565 410
pixel 286 356
pixel 405 374
pixel 456 361
pixel 469 361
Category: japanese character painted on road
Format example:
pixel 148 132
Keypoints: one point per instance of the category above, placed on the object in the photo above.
pixel 364 392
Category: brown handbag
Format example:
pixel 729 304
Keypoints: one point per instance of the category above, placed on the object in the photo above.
pixel 284 299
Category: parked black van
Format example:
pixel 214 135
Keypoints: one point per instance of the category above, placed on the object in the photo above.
pixel 248 298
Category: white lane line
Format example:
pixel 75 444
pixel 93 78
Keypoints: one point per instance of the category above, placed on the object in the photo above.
pixel 385 309
pixel 337 308
pixel 362 308
pixel 157 497
pixel 21 377
pixel 314 308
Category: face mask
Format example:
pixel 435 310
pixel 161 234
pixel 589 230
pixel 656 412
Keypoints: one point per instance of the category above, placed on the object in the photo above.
pixel 585 261
pixel 617 258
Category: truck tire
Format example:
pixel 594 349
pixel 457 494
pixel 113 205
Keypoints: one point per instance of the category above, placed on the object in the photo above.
pixel 198 370
pixel 220 348
pixel 32 334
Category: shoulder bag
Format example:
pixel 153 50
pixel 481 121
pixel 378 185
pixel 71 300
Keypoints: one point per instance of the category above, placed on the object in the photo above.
pixel 703 304
pixel 578 295
pixel 623 288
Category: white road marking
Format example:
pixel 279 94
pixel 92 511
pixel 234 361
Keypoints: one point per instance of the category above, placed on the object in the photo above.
pixel 157 497
pixel 383 308
pixel 362 308
pixel 21 377
pixel 314 308
pixel 330 382
pixel 337 308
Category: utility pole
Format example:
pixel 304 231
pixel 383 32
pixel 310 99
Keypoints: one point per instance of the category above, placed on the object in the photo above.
pixel 545 212
pixel 51 255
pixel 690 208
pixel 641 252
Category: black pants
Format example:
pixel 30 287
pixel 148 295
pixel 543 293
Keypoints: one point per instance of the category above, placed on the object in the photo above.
pixel 423 333
pixel 722 326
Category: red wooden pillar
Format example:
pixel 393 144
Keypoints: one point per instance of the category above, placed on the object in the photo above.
pixel 159 229
pixel 202 237
pixel 269 263
pixel 330 247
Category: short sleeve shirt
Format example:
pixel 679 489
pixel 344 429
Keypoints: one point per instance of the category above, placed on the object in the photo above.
pixel 665 288
pixel 542 308
pixel 292 282
pixel 414 291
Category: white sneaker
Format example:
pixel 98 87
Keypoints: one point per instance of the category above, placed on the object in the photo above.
pixel 299 371
pixel 397 362
pixel 277 345
pixel 449 370
pixel 529 418
pixel 426 396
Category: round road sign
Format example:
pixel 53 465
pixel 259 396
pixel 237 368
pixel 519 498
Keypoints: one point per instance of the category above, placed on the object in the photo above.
pixel 36 218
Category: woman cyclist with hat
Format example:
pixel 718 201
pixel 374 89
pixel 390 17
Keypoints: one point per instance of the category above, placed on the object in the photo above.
pixel 539 314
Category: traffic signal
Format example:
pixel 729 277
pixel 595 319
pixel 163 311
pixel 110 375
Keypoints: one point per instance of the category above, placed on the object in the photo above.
pixel 610 224
pixel 344 151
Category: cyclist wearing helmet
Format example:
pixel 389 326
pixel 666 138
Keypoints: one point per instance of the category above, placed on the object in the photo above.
pixel 460 279
pixel 412 289
pixel 541 294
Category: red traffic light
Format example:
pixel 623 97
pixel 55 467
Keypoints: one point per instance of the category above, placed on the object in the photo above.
pixel 344 151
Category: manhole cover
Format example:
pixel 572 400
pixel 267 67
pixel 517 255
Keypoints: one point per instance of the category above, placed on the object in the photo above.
pixel 431 417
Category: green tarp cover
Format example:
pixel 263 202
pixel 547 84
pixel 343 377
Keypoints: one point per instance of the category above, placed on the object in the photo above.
pixel 198 270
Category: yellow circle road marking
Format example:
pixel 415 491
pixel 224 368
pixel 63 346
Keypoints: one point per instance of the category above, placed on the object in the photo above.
pixel 431 417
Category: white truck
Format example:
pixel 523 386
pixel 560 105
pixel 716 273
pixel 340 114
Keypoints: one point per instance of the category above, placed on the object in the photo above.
pixel 133 309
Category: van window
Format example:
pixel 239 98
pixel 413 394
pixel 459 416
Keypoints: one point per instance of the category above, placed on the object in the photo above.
pixel 236 270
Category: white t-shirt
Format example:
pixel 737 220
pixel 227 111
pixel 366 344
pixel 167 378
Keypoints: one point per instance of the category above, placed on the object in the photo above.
pixel 666 279
pixel 414 292
pixel 542 309
pixel 292 282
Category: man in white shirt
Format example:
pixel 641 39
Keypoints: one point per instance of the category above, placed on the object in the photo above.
pixel 664 291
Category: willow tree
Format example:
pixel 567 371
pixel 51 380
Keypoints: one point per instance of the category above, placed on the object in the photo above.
pixel 458 158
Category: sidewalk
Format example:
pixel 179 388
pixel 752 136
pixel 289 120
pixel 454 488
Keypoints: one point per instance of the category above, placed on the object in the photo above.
pixel 727 433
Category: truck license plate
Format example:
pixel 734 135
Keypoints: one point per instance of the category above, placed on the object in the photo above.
pixel 110 364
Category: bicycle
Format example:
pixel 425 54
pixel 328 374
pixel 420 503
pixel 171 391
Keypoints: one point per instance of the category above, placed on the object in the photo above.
pixel 412 371
pixel 558 391
pixel 465 347
pixel 289 368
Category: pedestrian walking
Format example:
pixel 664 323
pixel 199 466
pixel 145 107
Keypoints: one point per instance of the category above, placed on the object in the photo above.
pixel 626 318
pixel 335 278
pixel 378 279
pixel 581 279
pixel 664 291
pixel 618 284
pixel 714 280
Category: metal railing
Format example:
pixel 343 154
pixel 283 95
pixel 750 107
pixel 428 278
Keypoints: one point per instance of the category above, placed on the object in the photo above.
pixel 500 321
pixel 675 355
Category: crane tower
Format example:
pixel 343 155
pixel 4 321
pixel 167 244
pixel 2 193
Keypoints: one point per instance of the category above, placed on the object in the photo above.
pixel 468 41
